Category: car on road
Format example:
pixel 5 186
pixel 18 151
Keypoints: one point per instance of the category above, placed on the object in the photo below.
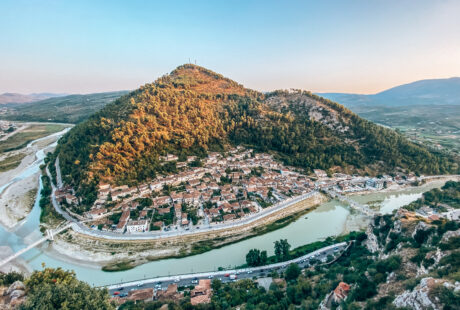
pixel 116 293
pixel 140 284
pixel 195 281
pixel 250 271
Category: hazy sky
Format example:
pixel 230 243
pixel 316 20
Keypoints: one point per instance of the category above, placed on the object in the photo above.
pixel 345 46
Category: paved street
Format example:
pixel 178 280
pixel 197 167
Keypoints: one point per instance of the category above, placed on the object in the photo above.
pixel 224 276
pixel 83 229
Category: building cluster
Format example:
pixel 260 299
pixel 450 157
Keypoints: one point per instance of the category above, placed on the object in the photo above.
pixel 201 294
pixel 442 210
pixel 344 183
pixel 218 188
pixel 224 188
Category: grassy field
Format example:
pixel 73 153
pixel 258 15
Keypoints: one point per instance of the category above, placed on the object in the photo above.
pixel 11 162
pixel 33 132
pixel 437 126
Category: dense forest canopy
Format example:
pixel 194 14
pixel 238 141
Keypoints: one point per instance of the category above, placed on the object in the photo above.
pixel 194 110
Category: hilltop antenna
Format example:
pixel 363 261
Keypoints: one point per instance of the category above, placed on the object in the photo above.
pixel 195 61
pixel 189 60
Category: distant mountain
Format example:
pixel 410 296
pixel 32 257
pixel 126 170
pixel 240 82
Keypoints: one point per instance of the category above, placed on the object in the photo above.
pixel 66 109
pixel 427 111
pixel 8 98
pixel 193 110
pixel 424 92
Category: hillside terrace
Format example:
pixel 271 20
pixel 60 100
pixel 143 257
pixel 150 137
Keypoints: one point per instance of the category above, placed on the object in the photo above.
pixel 222 189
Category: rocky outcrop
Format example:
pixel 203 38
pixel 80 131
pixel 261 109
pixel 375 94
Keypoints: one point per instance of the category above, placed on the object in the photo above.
pixel 420 226
pixel 371 243
pixel 419 298
pixel 450 234
pixel 13 296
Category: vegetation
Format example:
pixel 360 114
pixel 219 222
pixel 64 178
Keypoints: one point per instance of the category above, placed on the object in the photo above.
pixel 119 266
pixel 282 250
pixel 194 110
pixel 449 194
pixel 374 281
pixel 11 162
pixel 9 278
pixel 433 125
pixel 256 257
pixel 47 214
pixel 22 138
pixel 59 289
pixel 65 109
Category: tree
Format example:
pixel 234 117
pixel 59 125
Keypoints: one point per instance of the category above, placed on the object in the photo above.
pixel 253 258
pixel 263 257
pixel 278 251
pixel 58 289
pixel 256 257
pixel 216 284
pixel 285 246
pixel 292 272
pixel 282 249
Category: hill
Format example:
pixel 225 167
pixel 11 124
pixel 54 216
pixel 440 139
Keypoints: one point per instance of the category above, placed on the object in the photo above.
pixel 423 92
pixel 66 109
pixel 427 111
pixel 14 98
pixel 194 110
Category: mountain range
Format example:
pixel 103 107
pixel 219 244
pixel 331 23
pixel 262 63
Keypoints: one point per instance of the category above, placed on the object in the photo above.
pixel 194 110
pixel 64 109
pixel 424 92
pixel 14 98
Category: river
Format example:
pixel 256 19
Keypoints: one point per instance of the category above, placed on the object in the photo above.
pixel 329 219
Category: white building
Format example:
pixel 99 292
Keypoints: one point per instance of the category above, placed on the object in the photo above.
pixel 137 226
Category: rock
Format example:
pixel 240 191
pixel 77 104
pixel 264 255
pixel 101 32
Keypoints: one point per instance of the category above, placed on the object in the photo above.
pixel 326 302
pixel 420 226
pixel 419 297
pixel 17 294
pixel 449 234
pixel 17 285
pixel 371 242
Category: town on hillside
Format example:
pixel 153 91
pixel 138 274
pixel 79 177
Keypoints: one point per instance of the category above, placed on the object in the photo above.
pixel 217 189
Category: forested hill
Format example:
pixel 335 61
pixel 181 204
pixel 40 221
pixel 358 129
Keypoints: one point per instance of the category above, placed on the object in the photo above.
pixel 64 109
pixel 193 110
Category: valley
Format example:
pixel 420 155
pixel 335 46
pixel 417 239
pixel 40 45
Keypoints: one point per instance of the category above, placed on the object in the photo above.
pixel 148 187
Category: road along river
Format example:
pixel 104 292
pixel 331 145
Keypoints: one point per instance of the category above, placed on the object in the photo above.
pixel 329 219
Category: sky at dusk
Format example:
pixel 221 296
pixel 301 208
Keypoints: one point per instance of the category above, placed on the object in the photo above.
pixel 342 46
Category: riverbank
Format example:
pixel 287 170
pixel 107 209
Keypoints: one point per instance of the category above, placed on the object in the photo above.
pixel 121 255
pixel 17 200
pixel 395 187
pixel 18 186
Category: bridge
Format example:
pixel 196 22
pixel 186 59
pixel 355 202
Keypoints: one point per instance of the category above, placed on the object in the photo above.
pixel 49 236
pixel 353 204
